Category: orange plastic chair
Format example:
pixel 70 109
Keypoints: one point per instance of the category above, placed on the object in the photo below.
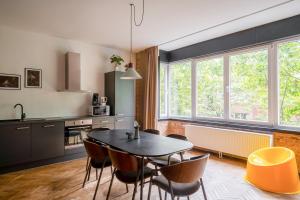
pixel 273 169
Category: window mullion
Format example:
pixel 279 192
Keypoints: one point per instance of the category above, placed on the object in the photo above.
pixel 274 85
pixel 194 89
pixel 226 86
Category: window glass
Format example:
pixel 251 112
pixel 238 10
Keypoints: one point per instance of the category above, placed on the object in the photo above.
pixel 249 86
pixel 180 97
pixel 289 83
pixel 210 81
pixel 162 89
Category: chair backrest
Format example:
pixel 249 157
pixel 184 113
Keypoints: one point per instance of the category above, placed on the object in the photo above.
pixel 176 136
pixel 152 131
pixel 187 171
pixel 123 161
pixel 95 150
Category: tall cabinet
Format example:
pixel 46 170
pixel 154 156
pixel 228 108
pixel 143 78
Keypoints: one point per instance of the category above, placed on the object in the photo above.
pixel 120 94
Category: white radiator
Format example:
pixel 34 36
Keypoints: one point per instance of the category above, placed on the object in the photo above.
pixel 235 142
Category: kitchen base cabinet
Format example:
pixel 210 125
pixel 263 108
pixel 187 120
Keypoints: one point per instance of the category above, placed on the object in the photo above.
pixel 15 144
pixel 47 140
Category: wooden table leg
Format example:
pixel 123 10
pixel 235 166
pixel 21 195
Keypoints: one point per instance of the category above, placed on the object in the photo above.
pixel 142 178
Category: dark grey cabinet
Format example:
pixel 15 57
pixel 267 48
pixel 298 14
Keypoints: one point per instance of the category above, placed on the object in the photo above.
pixel 47 140
pixel 124 122
pixel 15 143
pixel 120 94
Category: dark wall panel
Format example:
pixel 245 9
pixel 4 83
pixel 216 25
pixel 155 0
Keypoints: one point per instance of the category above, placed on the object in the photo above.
pixel 163 56
pixel 261 34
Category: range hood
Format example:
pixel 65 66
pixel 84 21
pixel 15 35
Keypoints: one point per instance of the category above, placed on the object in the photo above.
pixel 73 73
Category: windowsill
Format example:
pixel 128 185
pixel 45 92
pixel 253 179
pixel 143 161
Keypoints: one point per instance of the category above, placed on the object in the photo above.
pixel 238 126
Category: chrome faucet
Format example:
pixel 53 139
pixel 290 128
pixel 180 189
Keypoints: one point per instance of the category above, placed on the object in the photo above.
pixel 23 115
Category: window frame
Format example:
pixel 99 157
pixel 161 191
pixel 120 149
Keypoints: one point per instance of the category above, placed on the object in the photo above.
pixel 277 89
pixel 168 88
pixel 194 104
pixel 273 86
pixel 166 116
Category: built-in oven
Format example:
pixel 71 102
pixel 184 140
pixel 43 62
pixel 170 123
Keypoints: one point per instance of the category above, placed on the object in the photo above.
pixel 76 131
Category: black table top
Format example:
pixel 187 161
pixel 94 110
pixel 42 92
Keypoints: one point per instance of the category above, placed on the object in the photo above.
pixel 148 145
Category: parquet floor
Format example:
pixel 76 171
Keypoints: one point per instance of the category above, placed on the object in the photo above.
pixel 223 180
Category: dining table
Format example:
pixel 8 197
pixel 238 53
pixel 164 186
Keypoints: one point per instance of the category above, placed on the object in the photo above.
pixel 147 145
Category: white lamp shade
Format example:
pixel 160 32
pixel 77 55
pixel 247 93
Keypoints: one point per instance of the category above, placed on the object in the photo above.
pixel 131 74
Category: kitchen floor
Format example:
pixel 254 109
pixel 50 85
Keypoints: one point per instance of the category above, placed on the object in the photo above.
pixel 223 181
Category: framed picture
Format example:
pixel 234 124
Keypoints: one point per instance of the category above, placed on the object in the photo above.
pixel 33 78
pixel 10 81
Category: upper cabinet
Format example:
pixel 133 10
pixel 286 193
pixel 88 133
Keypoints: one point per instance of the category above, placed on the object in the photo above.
pixel 120 94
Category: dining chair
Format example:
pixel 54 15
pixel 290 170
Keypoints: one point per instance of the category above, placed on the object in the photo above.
pixel 127 169
pixel 167 160
pixel 152 131
pixel 89 139
pixel 99 159
pixel 181 179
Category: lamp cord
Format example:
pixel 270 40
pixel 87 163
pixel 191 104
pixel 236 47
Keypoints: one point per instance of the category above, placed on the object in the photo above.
pixel 132 8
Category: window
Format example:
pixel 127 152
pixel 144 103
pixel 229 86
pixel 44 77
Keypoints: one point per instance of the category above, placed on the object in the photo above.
pixel 289 83
pixel 244 86
pixel 210 95
pixel 163 89
pixel 248 94
pixel 180 97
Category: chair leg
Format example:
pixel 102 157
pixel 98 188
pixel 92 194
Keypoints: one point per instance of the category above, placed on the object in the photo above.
pixel 178 198
pixel 150 185
pixel 111 182
pixel 171 191
pixel 86 175
pixel 203 189
pixel 87 163
pixel 111 169
pixel 127 190
pixel 188 197
pixel 159 192
pixel 166 195
pixel 96 173
pixel 134 191
pixel 89 172
pixel 98 182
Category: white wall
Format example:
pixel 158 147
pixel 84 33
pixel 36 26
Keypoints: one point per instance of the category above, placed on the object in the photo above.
pixel 19 49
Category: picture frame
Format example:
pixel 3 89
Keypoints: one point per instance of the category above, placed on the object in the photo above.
pixel 10 81
pixel 33 78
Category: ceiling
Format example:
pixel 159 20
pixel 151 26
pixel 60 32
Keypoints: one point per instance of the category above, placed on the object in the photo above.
pixel 106 22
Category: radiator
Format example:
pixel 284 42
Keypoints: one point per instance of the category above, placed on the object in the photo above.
pixel 234 142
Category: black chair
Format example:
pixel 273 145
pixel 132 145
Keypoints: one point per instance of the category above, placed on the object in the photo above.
pixel 181 179
pixel 127 169
pixel 167 160
pixel 99 159
pixel 152 131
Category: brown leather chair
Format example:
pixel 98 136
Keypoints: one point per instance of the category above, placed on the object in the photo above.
pixel 182 179
pixel 127 169
pixel 152 131
pixel 89 139
pixel 98 159
pixel 167 160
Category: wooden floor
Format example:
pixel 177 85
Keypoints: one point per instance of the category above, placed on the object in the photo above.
pixel 223 180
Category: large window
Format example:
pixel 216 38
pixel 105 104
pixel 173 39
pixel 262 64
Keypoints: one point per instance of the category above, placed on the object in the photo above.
pixel 258 85
pixel 289 82
pixel 163 89
pixel 249 86
pixel 210 86
pixel 180 96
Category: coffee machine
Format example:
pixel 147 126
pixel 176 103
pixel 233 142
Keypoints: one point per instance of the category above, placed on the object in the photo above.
pixel 95 101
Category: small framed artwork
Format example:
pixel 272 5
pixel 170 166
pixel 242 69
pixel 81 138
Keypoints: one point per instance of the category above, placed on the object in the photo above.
pixel 10 81
pixel 33 78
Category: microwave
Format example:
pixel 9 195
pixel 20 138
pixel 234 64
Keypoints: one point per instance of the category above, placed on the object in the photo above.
pixel 100 110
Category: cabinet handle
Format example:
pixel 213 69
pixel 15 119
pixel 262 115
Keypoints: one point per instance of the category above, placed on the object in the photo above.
pixel 104 121
pixel 120 120
pixel 22 128
pixel 48 126
pixel 120 114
